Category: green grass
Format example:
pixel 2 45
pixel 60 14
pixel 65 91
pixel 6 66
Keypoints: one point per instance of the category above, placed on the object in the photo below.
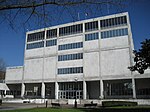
pixel 43 110
pixel 106 109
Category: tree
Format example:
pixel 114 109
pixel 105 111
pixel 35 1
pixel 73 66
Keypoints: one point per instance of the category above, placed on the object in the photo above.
pixel 2 65
pixel 142 57
pixel 44 12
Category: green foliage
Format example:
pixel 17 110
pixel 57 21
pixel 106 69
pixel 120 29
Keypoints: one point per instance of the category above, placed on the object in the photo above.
pixel 118 103
pixel 0 101
pixel 142 57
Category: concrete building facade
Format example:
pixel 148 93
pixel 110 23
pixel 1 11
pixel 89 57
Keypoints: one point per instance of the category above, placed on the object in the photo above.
pixel 87 59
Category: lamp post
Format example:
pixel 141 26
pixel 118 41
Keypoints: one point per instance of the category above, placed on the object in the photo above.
pixel 75 103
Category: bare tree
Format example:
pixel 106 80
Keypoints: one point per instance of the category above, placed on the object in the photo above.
pixel 2 65
pixel 44 12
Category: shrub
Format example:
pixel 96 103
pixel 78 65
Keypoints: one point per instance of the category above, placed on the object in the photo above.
pixel 118 103
pixel 0 101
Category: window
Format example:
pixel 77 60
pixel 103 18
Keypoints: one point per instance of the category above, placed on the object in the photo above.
pixel 114 33
pixel 92 36
pixel 117 21
pixel 51 42
pixel 35 45
pixel 70 46
pixel 70 57
pixel 35 36
pixel 68 30
pixel 51 33
pixel 70 70
pixel 91 26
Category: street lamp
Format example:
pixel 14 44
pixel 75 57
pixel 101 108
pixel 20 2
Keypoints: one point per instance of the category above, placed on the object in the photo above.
pixel 75 103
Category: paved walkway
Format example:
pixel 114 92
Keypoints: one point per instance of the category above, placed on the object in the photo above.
pixel 13 106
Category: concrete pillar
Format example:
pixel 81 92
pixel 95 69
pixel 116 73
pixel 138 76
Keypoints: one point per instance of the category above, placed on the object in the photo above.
pixel 22 89
pixel 84 90
pixel 43 90
pixel 133 88
pixel 101 89
pixel 56 90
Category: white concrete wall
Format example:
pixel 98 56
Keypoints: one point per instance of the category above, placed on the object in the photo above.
pixel 70 63
pixel 14 74
pixel 51 50
pixel 70 39
pixel 114 42
pixel 91 64
pixel 115 62
pixel 50 67
pixel 33 69
pixel 91 45
pixel 38 52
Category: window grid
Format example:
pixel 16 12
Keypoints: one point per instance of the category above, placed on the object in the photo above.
pixel 70 57
pixel 91 36
pixel 117 21
pixel 70 46
pixel 51 33
pixel 70 70
pixel 90 26
pixel 114 33
pixel 51 42
pixel 68 30
pixel 35 45
pixel 35 36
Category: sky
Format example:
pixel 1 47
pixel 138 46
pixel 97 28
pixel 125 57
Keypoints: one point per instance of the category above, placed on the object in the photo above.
pixel 12 42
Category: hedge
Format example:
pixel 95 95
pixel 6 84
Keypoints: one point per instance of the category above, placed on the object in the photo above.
pixel 118 103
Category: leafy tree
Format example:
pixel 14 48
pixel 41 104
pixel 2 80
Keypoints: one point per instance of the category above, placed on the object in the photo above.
pixel 142 57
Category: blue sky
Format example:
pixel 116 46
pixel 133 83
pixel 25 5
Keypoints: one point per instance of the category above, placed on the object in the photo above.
pixel 12 42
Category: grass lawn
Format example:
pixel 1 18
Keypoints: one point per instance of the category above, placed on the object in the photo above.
pixel 43 110
pixel 110 109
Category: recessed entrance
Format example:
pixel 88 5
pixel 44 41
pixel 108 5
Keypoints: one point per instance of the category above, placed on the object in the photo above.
pixel 70 90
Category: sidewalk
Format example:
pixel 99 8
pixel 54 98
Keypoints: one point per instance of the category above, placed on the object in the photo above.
pixel 13 106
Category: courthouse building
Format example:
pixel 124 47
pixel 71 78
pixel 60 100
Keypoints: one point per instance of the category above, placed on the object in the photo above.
pixel 87 59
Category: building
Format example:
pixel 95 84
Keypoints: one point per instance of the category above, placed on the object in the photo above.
pixel 87 59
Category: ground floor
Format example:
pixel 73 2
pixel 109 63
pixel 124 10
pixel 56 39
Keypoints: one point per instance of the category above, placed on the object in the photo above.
pixel 92 89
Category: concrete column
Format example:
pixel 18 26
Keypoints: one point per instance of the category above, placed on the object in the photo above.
pixel 22 89
pixel 84 90
pixel 56 90
pixel 101 89
pixel 43 90
pixel 133 88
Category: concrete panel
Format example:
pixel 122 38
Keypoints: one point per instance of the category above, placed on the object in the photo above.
pixel 14 73
pixel 50 67
pixel 70 63
pixel 115 62
pixel 51 50
pixel 91 45
pixel 70 51
pixel 71 39
pixel 33 69
pixel 38 52
pixel 91 64
pixel 114 42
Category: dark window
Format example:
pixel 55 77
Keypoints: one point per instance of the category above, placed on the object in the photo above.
pixel 91 26
pixel 70 57
pixel 114 33
pixel 68 30
pixel 70 70
pixel 35 45
pixel 51 33
pixel 70 46
pixel 51 42
pixel 117 21
pixel 35 36
pixel 92 36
